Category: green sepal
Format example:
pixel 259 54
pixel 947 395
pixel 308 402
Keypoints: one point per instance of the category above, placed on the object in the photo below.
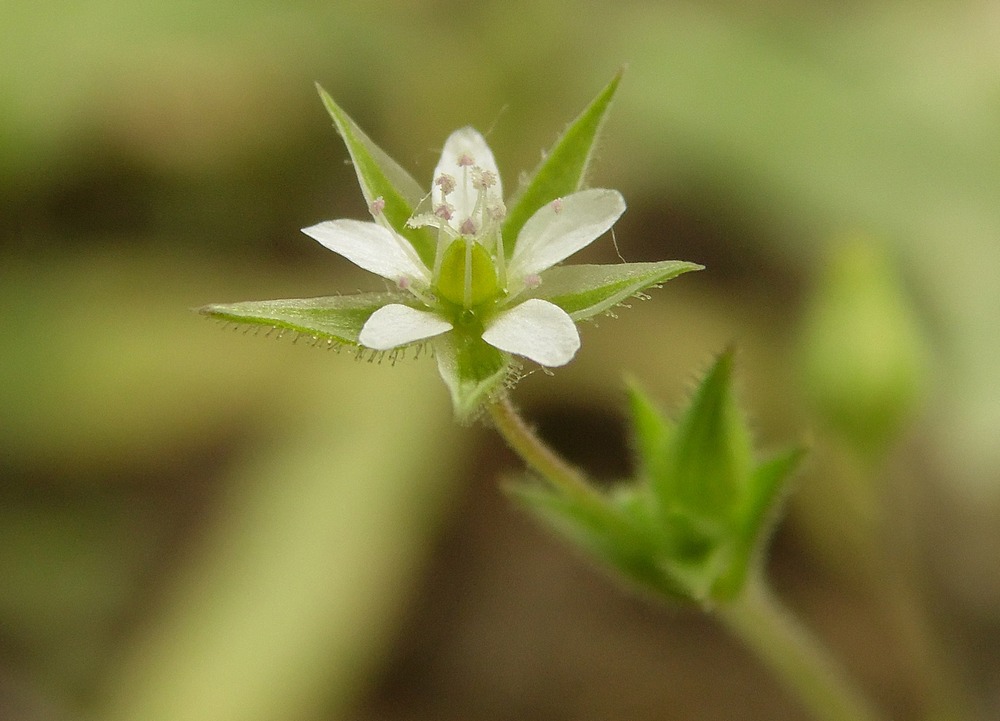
pixel 472 369
pixel 382 177
pixel 584 291
pixel 563 168
pixel 336 318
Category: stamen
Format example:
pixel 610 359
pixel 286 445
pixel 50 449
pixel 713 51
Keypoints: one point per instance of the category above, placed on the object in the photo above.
pixel 465 160
pixel 557 205
pixel 532 281
pixel 377 209
pixel 500 259
pixel 477 211
pixel 444 211
pixel 468 227
pixel 465 180
pixel 483 179
pixel 446 183
pixel 493 215
pixel 406 283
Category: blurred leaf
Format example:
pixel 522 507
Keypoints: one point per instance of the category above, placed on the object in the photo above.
pixel 755 520
pixel 291 598
pixel 617 532
pixel 651 432
pixel 709 455
pixel 694 521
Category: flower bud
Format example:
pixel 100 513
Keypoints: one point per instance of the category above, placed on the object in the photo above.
pixel 864 356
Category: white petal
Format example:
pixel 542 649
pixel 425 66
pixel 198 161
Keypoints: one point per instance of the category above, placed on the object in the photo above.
pixel 535 329
pixel 372 247
pixel 561 228
pixel 464 142
pixel 395 325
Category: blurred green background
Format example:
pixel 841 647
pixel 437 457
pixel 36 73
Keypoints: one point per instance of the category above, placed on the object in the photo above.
pixel 197 524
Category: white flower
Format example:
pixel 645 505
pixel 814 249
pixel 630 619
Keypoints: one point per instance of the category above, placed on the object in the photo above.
pixel 474 285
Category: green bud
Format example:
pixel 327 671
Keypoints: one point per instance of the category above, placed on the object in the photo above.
pixel 864 356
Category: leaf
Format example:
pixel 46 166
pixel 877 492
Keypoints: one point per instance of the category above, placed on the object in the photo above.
pixel 584 291
pixel 710 456
pixel 337 318
pixel 381 176
pixel 755 519
pixel 563 168
pixel 651 432
pixel 611 532
pixel 472 369
pixel 694 580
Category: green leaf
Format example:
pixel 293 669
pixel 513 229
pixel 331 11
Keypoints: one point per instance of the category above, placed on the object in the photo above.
pixel 381 176
pixel 472 369
pixel 691 538
pixel 651 432
pixel 336 318
pixel 613 532
pixel 563 168
pixel 710 457
pixel 584 291
pixel 695 580
pixel 755 519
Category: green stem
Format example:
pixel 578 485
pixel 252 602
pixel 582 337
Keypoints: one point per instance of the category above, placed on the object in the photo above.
pixel 533 451
pixel 790 651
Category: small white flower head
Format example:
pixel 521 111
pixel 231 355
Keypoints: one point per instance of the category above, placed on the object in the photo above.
pixel 465 278
pixel 475 286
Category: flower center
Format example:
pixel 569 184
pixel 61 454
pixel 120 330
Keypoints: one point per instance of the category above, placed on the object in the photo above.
pixel 468 275
pixel 468 212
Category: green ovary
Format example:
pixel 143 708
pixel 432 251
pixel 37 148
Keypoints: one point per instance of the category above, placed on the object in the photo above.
pixel 451 283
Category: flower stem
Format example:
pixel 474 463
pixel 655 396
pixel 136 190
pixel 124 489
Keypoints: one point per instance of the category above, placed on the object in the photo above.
pixel 533 451
pixel 790 651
